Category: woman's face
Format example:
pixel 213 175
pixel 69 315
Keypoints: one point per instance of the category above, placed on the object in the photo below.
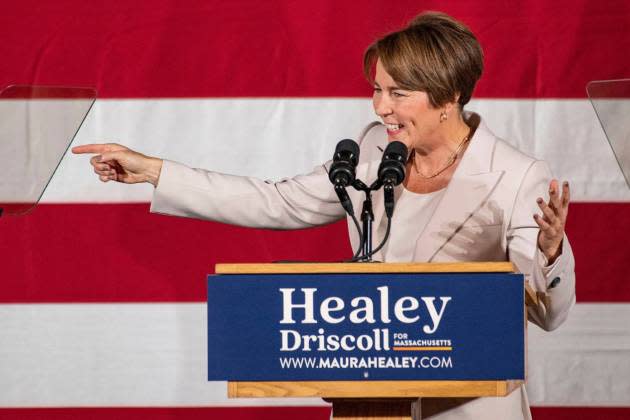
pixel 408 115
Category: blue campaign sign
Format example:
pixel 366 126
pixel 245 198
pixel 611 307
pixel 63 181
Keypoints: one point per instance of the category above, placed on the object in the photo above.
pixel 285 327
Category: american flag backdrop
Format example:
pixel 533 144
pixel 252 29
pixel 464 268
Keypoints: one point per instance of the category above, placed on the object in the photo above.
pixel 102 305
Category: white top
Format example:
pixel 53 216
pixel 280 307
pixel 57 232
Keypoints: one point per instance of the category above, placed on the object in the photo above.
pixel 412 212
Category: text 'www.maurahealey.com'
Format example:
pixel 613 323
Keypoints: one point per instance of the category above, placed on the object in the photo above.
pixel 407 362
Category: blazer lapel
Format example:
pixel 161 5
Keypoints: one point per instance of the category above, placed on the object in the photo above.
pixel 462 198
pixel 472 183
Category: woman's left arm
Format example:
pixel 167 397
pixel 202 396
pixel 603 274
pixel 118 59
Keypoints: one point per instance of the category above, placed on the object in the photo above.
pixel 538 246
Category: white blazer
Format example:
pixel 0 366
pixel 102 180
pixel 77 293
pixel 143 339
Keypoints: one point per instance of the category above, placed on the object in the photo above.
pixel 485 214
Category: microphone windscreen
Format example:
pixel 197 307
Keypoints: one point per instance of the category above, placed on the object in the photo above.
pixel 348 147
pixel 396 150
pixel 392 167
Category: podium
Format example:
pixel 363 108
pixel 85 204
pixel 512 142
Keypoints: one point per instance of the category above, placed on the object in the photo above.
pixel 397 332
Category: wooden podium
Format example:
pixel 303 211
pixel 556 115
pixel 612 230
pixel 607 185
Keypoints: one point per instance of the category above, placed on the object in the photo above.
pixel 374 399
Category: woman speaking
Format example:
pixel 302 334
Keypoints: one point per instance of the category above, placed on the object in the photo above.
pixel 468 195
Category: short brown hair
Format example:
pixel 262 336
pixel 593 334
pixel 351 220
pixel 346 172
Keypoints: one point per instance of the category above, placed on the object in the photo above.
pixel 435 53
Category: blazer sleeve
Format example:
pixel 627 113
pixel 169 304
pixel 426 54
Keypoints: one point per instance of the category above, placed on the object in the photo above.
pixel 299 202
pixel 555 283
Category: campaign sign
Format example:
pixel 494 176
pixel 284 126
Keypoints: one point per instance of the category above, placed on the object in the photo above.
pixel 285 327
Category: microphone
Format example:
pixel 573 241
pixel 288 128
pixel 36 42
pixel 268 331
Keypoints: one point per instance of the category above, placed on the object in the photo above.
pixel 392 167
pixel 391 172
pixel 343 171
pixel 342 174
pixel 345 160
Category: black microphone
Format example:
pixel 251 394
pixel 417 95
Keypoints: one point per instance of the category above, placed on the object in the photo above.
pixel 391 172
pixel 392 167
pixel 343 169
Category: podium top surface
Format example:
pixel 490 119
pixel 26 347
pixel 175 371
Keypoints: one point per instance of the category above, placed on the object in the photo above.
pixel 323 268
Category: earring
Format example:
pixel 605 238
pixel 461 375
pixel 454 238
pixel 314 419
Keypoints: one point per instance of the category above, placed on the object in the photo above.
pixel 443 116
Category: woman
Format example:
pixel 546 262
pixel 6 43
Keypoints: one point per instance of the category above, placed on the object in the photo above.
pixel 468 195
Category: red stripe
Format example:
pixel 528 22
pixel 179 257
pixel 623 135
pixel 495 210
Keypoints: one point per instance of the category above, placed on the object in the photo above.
pixel 267 413
pixel 284 48
pixel 581 413
pixel 96 253
pixel 121 253
pixel 193 413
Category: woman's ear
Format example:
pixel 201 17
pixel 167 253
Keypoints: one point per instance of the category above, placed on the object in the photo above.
pixel 448 108
pixel 454 104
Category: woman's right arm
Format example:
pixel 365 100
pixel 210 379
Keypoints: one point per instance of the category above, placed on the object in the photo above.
pixel 299 202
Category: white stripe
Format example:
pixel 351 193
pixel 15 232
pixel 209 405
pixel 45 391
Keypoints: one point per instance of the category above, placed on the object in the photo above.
pixel 586 362
pixel 155 355
pixel 274 138
pixel 83 355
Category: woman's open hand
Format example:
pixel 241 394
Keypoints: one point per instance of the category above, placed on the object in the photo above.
pixel 553 220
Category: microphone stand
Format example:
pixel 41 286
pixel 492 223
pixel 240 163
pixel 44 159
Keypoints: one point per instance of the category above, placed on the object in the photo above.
pixel 367 216
pixel 391 172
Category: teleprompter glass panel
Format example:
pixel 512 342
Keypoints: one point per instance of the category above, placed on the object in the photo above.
pixel 611 100
pixel 37 124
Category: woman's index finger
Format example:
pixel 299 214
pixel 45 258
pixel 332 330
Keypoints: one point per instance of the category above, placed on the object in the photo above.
pixel 90 148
